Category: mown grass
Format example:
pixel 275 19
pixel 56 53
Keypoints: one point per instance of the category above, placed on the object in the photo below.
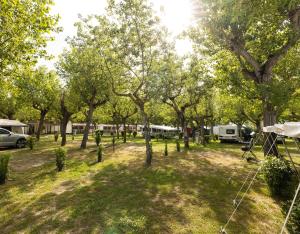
pixel 185 192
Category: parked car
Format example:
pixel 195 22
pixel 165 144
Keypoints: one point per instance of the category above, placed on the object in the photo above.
pixel 10 139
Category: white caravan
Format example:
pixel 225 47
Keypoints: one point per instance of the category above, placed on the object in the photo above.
pixel 232 133
pixel 161 130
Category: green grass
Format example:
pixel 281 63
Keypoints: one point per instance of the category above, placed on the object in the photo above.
pixel 186 192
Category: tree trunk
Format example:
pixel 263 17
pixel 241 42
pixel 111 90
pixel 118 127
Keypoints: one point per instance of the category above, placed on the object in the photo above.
pixel 184 129
pixel 202 131
pixel 87 127
pixel 117 129
pixel 147 138
pixel 269 117
pixel 124 131
pixel 41 123
pixel 258 125
pixel 63 128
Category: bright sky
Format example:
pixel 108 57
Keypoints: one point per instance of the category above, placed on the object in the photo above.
pixel 177 15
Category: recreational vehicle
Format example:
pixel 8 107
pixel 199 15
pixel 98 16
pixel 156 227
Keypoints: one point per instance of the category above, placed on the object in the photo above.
pixel 162 131
pixel 232 133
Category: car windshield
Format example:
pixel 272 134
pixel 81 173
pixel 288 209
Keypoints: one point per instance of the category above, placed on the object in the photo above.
pixel 4 132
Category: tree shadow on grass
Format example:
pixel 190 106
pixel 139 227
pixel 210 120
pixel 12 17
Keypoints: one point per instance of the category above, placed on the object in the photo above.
pixel 126 197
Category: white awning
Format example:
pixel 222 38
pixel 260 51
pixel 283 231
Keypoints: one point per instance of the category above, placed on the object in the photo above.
pixel 11 123
pixel 289 129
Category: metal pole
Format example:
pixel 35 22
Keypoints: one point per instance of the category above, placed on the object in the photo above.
pixel 290 210
pixel 296 142
pixel 288 153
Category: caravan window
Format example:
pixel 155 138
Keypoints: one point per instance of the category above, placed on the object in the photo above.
pixel 230 131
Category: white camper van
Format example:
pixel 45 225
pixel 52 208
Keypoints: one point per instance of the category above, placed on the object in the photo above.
pixel 232 133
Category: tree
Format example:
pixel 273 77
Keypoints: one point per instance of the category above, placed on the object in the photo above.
pixel 69 105
pixel 259 34
pixel 83 69
pixel 123 108
pixel 135 44
pixel 182 89
pixel 24 32
pixel 8 100
pixel 40 89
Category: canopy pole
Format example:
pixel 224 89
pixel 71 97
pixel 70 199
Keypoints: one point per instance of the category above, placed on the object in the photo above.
pixel 290 210
pixel 296 142
pixel 288 153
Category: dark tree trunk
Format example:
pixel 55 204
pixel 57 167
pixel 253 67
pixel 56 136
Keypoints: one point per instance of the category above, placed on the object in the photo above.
pixel 124 131
pixel 87 127
pixel 258 126
pixel 66 115
pixel 202 131
pixel 41 123
pixel 117 129
pixel 63 128
pixel 184 129
pixel 269 117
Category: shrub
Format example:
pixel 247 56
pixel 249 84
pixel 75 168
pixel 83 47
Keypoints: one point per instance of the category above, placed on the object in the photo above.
pixel 166 148
pixel 97 138
pixel 4 159
pixel 180 135
pixel 73 137
pixel 99 153
pixel 31 142
pixel 177 145
pixel 277 173
pixel 60 154
pixel 101 132
pixel 55 137
pixel 134 134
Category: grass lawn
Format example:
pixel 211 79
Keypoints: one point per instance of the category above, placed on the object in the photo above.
pixel 186 192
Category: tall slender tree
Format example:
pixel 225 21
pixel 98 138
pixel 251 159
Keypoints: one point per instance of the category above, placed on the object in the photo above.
pixel 83 68
pixel 135 45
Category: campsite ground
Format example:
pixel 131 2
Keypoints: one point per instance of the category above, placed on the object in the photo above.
pixel 186 192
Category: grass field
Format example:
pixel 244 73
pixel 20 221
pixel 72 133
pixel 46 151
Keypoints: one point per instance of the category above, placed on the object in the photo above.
pixel 185 192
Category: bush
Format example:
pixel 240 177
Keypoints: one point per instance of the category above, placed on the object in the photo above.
pixel 277 173
pixel 166 148
pixel 177 145
pixel 4 159
pixel 73 137
pixel 31 142
pixel 55 137
pixel 101 132
pixel 134 134
pixel 100 153
pixel 294 221
pixel 180 135
pixel 97 138
pixel 60 154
